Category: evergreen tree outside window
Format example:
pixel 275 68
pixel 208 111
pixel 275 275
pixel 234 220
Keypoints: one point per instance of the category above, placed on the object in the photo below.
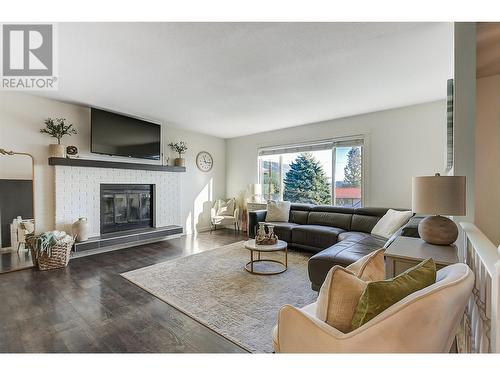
pixel 306 182
pixel 348 176
pixel 327 173
pixel 352 171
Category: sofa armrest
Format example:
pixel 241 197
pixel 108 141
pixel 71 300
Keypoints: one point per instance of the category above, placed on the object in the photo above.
pixel 410 229
pixel 254 217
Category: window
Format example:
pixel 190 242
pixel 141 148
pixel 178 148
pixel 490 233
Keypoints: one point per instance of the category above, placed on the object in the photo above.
pixel 348 175
pixel 319 173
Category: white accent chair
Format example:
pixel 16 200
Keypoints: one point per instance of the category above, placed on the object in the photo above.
pixel 223 220
pixel 18 232
pixel 424 322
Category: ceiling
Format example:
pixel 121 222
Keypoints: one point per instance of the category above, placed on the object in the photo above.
pixel 233 79
pixel 488 49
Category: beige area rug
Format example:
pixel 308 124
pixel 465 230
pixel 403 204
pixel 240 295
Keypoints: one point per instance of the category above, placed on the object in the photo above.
pixel 213 288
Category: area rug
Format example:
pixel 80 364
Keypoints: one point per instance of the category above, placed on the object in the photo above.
pixel 213 288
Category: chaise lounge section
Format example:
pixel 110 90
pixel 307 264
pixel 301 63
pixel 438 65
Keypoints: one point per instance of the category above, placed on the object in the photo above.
pixel 336 235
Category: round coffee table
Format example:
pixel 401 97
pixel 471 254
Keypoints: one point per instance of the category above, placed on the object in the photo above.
pixel 279 246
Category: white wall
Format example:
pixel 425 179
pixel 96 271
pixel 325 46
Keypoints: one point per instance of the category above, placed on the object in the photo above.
pixel 199 188
pixel 22 115
pixel 487 202
pixel 402 143
pixel 464 108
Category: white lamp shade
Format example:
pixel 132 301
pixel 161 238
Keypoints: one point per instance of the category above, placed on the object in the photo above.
pixel 439 195
pixel 255 189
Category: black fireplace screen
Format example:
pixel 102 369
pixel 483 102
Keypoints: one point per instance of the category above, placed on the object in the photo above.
pixel 126 207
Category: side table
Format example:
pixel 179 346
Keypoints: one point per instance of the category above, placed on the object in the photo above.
pixel 406 252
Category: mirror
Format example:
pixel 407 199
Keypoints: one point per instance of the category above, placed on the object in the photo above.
pixel 16 209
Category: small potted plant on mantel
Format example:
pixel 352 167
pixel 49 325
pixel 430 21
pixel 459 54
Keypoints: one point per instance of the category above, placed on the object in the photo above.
pixel 57 128
pixel 180 148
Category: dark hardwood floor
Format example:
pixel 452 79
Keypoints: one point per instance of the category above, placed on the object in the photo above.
pixel 89 307
pixel 13 260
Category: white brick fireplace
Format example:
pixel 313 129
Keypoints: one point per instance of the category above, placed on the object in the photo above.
pixel 77 194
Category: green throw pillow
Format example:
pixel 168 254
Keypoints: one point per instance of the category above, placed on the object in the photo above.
pixel 379 295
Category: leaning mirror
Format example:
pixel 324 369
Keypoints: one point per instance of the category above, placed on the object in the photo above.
pixel 16 209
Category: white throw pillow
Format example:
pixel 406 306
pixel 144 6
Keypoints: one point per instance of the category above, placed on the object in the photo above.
pixel 226 208
pixel 338 298
pixel 391 222
pixel 278 211
pixel 29 226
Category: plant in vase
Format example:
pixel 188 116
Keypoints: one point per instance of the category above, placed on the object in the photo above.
pixel 57 128
pixel 180 148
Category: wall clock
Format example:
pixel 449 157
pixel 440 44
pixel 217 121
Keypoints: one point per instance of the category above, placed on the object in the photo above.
pixel 204 161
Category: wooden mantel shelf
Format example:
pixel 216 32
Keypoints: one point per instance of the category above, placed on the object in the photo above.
pixel 76 162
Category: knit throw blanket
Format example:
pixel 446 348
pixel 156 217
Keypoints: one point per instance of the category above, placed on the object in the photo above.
pixel 43 243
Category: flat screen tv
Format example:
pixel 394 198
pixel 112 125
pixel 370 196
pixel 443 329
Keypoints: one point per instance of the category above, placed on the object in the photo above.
pixel 115 134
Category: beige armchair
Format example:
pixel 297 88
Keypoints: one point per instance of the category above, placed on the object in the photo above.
pixel 424 322
pixel 218 219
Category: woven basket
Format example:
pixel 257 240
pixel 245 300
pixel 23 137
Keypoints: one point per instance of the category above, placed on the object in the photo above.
pixel 59 255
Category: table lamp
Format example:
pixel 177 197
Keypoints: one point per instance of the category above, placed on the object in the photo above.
pixel 438 195
pixel 255 191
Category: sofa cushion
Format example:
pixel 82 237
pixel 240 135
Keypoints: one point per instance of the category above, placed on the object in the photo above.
pixel 362 238
pixel 363 223
pixel 336 209
pixel 373 211
pixel 298 217
pixel 331 219
pixel 302 207
pixel 338 298
pixel 391 222
pixel 342 253
pixel 364 219
pixel 283 230
pixel 316 236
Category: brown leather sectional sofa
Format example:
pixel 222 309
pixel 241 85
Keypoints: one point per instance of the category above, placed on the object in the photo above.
pixel 336 235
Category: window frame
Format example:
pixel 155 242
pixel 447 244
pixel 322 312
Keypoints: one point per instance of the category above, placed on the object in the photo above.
pixel 281 149
pixel 354 140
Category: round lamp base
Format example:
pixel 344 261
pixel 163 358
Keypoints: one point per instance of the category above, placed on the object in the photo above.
pixel 438 230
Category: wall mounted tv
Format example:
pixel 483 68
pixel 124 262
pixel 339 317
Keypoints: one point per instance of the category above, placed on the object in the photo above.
pixel 119 135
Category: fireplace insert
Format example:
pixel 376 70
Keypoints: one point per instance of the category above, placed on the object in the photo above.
pixel 126 207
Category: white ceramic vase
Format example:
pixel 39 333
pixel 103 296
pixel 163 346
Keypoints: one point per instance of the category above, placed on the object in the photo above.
pixel 81 229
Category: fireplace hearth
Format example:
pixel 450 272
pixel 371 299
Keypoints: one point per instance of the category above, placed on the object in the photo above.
pixel 126 207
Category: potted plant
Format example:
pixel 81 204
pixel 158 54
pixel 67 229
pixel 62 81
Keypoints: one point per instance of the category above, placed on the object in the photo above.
pixel 57 128
pixel 180 148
